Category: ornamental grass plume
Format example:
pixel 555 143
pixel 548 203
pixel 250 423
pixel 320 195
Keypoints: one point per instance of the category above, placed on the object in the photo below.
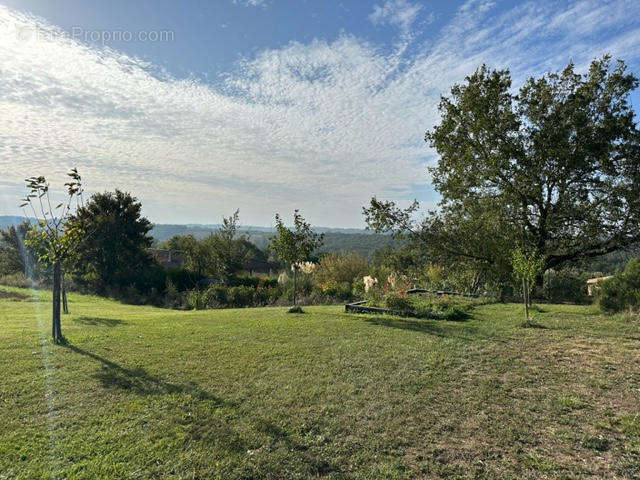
pixel 369 282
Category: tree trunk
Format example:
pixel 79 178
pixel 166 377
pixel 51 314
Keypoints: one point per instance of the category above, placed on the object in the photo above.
pixel 526 299
pixel 65 303
pixel 56 330
pixel 294 285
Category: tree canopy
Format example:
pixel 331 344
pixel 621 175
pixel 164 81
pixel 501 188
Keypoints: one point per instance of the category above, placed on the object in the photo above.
pixel 554 167
pixel 119 240
pixel 15 256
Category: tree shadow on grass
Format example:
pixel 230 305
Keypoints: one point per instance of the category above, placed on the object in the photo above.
pixel 139 381
pixel 107 322
pixel 445 329
pixel 7 295
pixel 218 433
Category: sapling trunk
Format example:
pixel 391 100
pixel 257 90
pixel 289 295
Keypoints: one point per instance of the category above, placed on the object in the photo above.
pixel 65 303
pixel 525 294
pixel 56 330
pixel 294 285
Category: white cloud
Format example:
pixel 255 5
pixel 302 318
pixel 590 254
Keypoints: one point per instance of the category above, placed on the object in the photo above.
pixel 319 126
pixel 401 14
pixel 251 3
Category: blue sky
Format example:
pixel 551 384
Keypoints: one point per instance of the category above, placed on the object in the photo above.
pixel 199 108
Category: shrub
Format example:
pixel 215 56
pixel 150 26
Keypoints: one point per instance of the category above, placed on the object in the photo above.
pixel 268 282
pixel 18 280
pixel 240 296
pixel 304 286
pixel 182 279
pixel 401 303
pixel 215 296
pixel 244 282
pixel 171 296
pixel 622 292
pixel 338 291
pixel 266 295
pixel 565 286
pixel 196 300
pixel 339 268
pixel 357 288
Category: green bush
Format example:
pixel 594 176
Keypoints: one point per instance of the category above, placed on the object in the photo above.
pixel 216 296
pixel 622 292
pixel 171 296
pixel 240 296
pixel 338 291
pixel 182 279
pixel 397 302
pixel 244 282
pixel 565 286
pixel 266 295
pixel 18 280
pixel 337 268
pixel 304 286
pixel 196 300
pixel 253 282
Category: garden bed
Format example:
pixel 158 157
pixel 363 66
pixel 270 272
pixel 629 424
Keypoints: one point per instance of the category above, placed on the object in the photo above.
pixel 420 303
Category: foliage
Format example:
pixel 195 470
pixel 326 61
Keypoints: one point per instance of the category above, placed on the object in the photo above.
pixel 221 254
pixel 197 257
pixel 171 295
pixel 57 236
pixel 396 301
pixel 240 296
pixel 554 166
pixel 116 254
pixel 196 299
pixel 254 281
pixel 565 285
pixel 15 255
pixel 182 279
pixel 19 280
pixel 425 305
pixel 527 265
pixel 622 292
pixel 354 240
pixel 337 271
pixel 299 284
pixel 295 245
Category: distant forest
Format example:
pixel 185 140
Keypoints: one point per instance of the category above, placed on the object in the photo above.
pixel 335 239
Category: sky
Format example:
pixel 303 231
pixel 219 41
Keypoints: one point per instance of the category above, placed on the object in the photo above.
pixel 201 107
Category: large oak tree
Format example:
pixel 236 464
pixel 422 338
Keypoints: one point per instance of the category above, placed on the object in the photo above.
pixel 554 167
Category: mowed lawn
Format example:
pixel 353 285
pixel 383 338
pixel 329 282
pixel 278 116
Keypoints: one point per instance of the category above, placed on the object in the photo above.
pixel 145 393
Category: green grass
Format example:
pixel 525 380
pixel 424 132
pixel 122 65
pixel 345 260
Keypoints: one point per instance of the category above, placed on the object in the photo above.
pixel 145 393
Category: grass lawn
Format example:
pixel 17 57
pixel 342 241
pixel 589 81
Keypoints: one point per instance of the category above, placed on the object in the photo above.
pixel 145 393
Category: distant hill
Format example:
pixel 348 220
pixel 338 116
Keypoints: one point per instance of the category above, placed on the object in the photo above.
pixel 335 239
pixel 8 220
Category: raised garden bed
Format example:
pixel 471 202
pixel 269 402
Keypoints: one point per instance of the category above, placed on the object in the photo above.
pixel 421 303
